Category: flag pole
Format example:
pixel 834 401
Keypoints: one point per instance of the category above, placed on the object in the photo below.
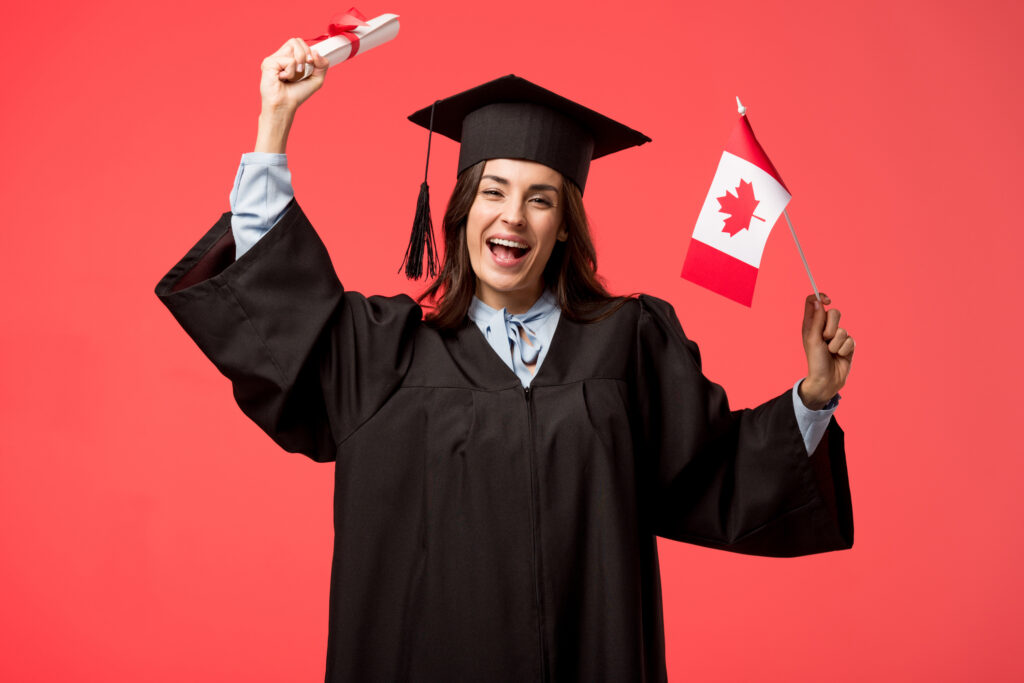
pixel 803 258
pixel 743 112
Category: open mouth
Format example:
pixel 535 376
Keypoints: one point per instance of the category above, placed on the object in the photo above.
pixel 507 250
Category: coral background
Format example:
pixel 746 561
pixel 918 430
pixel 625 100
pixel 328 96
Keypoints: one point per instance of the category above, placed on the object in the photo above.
pixel 149 532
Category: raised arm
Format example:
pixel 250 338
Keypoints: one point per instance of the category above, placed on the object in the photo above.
pixel 307 361
pixel 263 185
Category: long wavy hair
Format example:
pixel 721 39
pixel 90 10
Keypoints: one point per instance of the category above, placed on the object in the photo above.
pixel 571 271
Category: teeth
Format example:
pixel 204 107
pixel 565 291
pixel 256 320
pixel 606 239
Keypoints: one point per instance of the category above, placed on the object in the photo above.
pixel 508 243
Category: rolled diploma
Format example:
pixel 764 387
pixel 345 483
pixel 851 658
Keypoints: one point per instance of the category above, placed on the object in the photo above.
pixel 336 49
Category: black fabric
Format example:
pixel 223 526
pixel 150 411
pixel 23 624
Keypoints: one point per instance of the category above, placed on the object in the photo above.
pixel 512 118
pixel 522 130
pixel 484 532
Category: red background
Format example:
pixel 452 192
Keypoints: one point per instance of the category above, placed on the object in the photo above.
pixel 148 531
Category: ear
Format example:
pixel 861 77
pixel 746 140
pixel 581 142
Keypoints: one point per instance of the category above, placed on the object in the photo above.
pixel 563 234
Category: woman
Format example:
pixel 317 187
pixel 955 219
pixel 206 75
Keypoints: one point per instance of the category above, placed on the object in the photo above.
pixel 504 466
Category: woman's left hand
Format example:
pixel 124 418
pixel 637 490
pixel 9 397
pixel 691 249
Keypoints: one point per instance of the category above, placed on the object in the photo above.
pixel 829 350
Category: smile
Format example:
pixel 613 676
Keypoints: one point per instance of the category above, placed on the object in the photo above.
pixel 507 251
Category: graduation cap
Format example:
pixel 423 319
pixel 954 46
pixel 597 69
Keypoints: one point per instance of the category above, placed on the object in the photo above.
pixel 512 118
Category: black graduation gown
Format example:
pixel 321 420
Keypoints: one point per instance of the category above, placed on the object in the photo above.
pixel 484 532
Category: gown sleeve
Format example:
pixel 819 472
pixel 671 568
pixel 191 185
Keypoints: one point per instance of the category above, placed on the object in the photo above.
pixel 308 362
pixel 734 480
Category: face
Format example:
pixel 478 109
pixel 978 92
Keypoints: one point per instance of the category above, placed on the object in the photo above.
pixel 513 225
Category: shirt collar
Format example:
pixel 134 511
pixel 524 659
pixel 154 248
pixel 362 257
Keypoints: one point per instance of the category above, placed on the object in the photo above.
pixel 542 307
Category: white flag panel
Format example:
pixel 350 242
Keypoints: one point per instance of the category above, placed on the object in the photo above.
pixel 746 245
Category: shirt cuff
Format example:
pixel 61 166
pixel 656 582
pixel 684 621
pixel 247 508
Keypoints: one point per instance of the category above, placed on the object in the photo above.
pixel 264 158
pixel 812 423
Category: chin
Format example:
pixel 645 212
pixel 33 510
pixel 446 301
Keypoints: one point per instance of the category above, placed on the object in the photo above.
pixel 500 292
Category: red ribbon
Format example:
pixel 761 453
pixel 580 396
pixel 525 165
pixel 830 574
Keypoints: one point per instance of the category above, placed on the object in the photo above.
pixel 343 25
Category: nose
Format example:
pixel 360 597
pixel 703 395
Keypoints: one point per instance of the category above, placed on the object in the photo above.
pixel 513 214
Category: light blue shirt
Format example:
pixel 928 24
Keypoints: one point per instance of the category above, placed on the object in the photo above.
pixel 519 339
pixel 259 197
pixel 261 193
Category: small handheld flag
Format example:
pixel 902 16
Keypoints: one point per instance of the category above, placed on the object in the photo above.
pixel 746 197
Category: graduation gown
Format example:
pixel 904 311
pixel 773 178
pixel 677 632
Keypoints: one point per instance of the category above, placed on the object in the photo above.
pixel 484 531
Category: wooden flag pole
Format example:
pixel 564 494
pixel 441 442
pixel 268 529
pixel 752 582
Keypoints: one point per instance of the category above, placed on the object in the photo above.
pixel 743 112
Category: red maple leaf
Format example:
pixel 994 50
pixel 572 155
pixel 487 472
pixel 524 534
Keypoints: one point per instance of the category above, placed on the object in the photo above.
pixel 739 208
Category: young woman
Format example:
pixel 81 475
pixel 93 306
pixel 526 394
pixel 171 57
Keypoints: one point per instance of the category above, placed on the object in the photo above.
pixel 504 464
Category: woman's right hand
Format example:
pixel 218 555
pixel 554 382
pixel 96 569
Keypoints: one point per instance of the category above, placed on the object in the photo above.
pixel 283 92
pixel 280 87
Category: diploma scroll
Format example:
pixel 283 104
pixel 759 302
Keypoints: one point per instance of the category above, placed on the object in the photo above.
pixel 337 49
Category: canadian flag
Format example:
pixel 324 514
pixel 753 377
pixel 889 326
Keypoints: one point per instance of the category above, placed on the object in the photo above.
pixel 746 198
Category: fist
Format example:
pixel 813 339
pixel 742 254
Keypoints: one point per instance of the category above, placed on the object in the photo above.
pixel 280 87
pixel 829 349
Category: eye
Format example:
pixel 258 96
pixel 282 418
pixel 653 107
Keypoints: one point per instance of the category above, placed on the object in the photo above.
pixel 541 200
pixel 491 193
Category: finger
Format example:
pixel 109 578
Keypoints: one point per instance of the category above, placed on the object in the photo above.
pixel 319 61
pixel 303 55
pixel 838 339
pixel 275 63
pixel 285 49
pixel 299 49
pixel 284 58
pixel 814 318
pixel 287 73
pixel 308 63
pixel 846 350
pixel 318 66
pixel 831 324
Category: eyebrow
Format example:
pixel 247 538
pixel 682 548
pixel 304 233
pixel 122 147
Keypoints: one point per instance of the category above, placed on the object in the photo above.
pixel 535 186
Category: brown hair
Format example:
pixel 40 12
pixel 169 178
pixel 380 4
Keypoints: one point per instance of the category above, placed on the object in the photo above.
pixel 571 271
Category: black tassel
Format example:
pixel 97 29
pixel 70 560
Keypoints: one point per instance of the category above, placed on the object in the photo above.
pixel 422 238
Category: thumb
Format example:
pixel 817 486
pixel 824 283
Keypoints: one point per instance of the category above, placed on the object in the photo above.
pixel 814 318
pixel 320 63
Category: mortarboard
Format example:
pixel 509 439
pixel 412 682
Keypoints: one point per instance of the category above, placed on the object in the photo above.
pixel 512 118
